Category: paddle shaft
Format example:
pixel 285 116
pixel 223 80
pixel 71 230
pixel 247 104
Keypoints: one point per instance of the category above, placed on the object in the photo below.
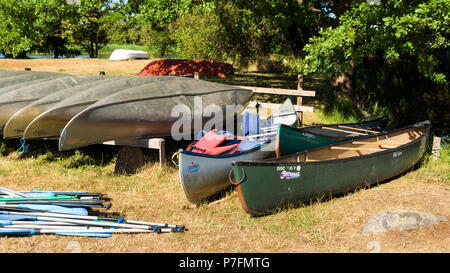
pixel 64 231
pixel 90 217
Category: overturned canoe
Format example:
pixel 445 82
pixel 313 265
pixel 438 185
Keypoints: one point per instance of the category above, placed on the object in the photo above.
pixel 293 139
pixel 28 76
pixel 205 175
pixel 4 73
pixel 13 101
pixel 147 111
pixel 50 122
pixel 269 185
pixel 16 125
pixel 128 54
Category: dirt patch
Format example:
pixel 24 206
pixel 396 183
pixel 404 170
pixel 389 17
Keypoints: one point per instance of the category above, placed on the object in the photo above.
pixel 78 66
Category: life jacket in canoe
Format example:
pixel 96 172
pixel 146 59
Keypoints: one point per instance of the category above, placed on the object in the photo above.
pixel 215 143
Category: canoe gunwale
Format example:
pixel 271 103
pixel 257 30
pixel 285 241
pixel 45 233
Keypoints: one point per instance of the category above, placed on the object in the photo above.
pixel 95 107
pixel 279 161
pixel 305 129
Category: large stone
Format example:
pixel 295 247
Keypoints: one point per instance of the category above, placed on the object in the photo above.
pixel 129 160
pixel 400 220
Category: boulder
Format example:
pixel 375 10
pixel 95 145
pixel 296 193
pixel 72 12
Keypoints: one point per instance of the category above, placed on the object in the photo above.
pixel 400 220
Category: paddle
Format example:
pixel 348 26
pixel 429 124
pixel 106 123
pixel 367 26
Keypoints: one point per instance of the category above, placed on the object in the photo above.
pixel 76 232
pixel 93 222
pixel 42 198
pixel 47 208
pixel 64 202
pixel 12 193
pixel 178 228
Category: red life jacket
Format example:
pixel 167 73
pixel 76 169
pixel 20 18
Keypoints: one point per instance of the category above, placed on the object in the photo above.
pixel 209 144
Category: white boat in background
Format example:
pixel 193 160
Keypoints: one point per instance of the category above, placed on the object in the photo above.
pixel 125 54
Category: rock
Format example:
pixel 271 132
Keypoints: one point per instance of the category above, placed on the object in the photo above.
pixel 400 220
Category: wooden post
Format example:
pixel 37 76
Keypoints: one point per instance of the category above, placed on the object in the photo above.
pixel 299 98
pixel 162 153
pixel 197 75
pixel 436 150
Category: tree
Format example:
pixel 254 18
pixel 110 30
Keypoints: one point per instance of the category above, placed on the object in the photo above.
pixel 156 16
pixel 245 31
pixel 383 46
pixel 90 29
pixel 26 25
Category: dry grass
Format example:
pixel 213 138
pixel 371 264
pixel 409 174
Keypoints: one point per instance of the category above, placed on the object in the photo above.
pixel 154 194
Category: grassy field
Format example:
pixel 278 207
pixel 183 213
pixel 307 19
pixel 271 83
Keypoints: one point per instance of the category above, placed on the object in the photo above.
pixel 155 195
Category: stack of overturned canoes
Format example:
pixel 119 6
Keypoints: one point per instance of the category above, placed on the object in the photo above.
pixel 85 110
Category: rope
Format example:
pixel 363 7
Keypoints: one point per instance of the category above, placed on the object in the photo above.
pixel 24 147
pixel 176 154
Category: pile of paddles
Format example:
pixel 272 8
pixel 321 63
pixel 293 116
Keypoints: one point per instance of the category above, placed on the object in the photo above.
pixel 66 213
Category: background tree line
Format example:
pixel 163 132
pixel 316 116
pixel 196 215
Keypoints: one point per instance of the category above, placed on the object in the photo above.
pixel 388 57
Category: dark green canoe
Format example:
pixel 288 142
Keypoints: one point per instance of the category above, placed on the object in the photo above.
pixel 266 186
pixel 294 139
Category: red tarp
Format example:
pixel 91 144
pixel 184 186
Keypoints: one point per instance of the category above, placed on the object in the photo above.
pixel 176 67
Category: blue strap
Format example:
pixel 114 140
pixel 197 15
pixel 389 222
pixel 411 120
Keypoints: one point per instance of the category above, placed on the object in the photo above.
pixel 24 147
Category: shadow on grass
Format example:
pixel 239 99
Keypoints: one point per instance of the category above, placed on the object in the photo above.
pixel 93 155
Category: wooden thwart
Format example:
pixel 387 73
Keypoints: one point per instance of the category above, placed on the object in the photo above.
pixel 353 148
pixel 344 131
pixel 386 144
pixel 358 129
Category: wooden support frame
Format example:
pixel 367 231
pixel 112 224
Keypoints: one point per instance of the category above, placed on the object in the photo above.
pixel 149 143
pixel 299 93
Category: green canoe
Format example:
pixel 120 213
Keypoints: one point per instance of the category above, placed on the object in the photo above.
pixel 267 186
pixel 294 139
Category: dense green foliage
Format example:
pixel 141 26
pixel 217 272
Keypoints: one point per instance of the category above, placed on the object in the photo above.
pixel 396 57
pixel 53 26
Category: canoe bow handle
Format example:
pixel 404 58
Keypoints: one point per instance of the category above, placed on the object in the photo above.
pixel 232 181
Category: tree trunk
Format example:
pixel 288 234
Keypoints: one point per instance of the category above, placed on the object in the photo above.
pixel 345 83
